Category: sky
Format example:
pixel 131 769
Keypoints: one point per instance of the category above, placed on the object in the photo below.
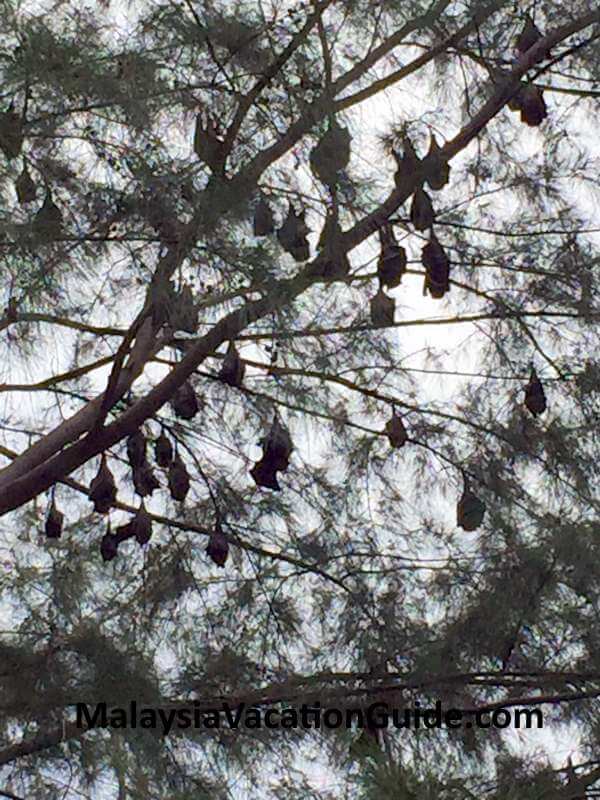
pixel 368 123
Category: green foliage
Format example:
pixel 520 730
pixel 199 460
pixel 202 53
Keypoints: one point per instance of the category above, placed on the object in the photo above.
pixel 353 583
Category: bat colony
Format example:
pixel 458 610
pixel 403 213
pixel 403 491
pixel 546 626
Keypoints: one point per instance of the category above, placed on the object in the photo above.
pixel 177 308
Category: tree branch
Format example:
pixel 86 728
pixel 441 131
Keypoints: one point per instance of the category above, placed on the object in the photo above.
pixel 41 477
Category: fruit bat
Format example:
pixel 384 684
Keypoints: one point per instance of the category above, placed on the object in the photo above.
pixel 184 402
pixel 233 369
pixel 103 490
pixel 532 105
pixel 407 163
pixel 182 314
pixel 391 265
pixel 48 221
pixel 25 187
pixel 144 480
pixel 277 448
pixel 136 449
pixel 11 133
pixel 421 210
pixel 437 170
pixel 263 223
pixel 529 36
pixel 292 235
pixel 207 145
pixel 138 527
pixel 54 522
pixel 535 398
pixel 337 264
pixel 470 510
pixel 396 432
pixel 179 480
pixel 163 451
pixel 265 475
pixel 437 268
pixel 331 154
pixel 142 526
pixel 382 309
pixel 217 547
pixel 109 545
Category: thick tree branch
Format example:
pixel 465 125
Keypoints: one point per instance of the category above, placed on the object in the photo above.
pixel 307 690
pixel 38 479
pixel 81 422
pixel 50 383
pixel 65 322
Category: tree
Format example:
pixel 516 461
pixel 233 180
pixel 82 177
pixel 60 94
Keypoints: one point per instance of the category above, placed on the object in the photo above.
pixel 229 474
